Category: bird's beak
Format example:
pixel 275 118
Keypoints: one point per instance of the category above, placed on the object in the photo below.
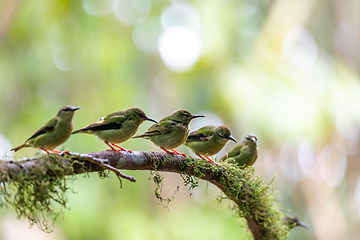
pixel 304 225
pixel 197 116
pixel 152 120
pixel 75 108
pixel 232 139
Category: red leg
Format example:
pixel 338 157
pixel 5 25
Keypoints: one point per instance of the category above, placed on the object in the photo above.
pixel 121 148
pixel 167 151
pixel 177 153
pixel 200 156
pixel 207 158
pixel 212 161
pixel 112 148
pixel 60 152
pixel 44 150
pixel 173 152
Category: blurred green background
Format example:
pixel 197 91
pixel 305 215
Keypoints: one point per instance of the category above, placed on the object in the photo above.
pixel 287 71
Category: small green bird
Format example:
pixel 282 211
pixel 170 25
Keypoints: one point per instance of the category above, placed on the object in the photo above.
pixel 117 127
pixel 245 154
pixel 209 140
pixel 171 131
pixel 55 132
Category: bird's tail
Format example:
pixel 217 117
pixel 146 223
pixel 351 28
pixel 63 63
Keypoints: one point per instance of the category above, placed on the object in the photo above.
pixel 82 130
pixel 18 147
pixel 141 136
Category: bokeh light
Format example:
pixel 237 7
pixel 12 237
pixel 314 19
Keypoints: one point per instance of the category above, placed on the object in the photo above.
pixel 130 11
pixel 300 48
pixel 180 48
pixel 98 8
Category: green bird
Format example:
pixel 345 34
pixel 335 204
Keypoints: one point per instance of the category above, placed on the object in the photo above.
pixel 55 132
pixel 245 154
pixel 209 140
pixel 171 131
pixel 117 127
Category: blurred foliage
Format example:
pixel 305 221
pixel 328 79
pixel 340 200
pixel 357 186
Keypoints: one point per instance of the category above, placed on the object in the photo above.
pixel 286 71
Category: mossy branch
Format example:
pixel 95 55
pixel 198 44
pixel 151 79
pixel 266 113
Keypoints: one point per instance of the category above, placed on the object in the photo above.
pixel 254 198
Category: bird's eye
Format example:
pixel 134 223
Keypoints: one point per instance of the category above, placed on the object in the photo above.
pixel 65 109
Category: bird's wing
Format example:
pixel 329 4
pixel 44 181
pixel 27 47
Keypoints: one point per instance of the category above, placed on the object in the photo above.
pixel 106 123
pixel 48 127
pixel 158 129
pixel 236 151
pixel 202 134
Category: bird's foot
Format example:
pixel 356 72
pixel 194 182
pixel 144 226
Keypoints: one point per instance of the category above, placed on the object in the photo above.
pixel 60 152
pixel 177 153
pixel 212 161
pixel 121 148
pixel 209 159
pixel 115 150
pixel 173 152
pixel 45 150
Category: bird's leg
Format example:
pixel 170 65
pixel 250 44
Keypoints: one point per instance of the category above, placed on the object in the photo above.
pixel 44 150
pixel 116 150
pixel 212 161
pixel 58 152
pixel 177 153
pixel 199 156
pixel 112 148
pixel 173 152
pixel 121 148
pixel 61 152
pixel 167 151
pixel 207 158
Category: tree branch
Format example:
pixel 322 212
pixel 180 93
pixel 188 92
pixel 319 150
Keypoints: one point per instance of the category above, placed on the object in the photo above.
pixel 254 198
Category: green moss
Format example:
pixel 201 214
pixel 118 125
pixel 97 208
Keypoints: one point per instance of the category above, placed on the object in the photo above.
pixel 104 173
pixel 158 178
pixel 253 197
pixel 39 194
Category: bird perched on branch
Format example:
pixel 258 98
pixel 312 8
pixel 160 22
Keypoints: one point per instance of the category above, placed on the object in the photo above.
pixel 209 140
pixel 55 132
pixel 171 132
pixel 245 154
pixel 117 127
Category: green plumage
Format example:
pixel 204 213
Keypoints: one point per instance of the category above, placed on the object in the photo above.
pixel 209 140
pixel 172 131
pixel 117 127
pixel 55 132
pixel 245 154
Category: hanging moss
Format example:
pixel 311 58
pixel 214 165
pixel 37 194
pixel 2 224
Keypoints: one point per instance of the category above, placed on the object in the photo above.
pixel 158 178
pixel 39 194
pixel 253 197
